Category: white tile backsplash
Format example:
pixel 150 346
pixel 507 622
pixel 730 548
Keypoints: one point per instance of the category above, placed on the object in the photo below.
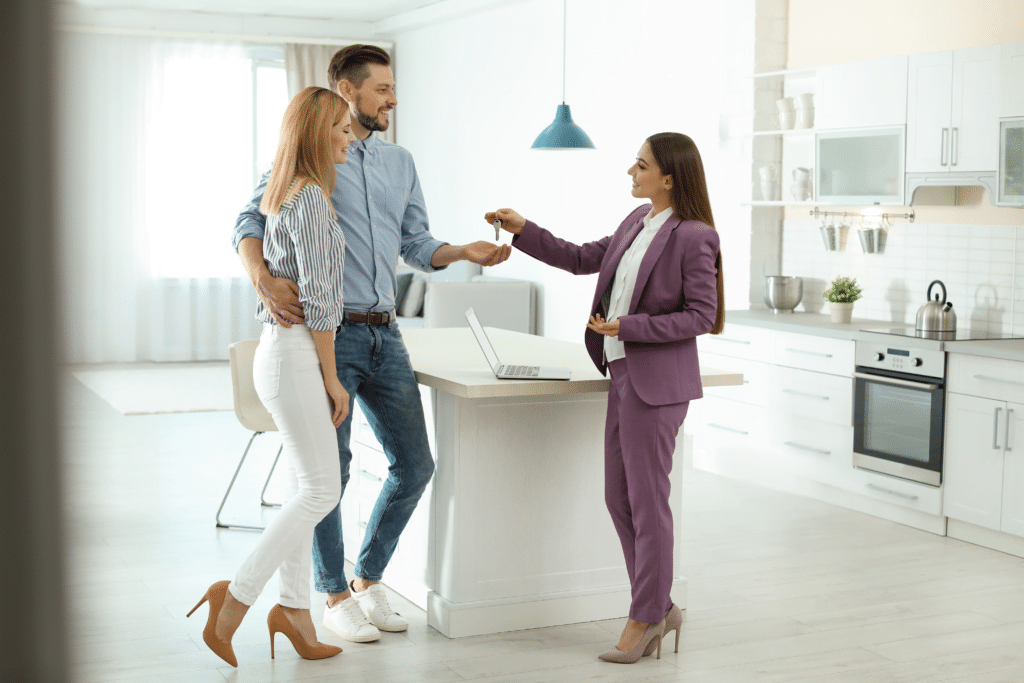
pixel 981 266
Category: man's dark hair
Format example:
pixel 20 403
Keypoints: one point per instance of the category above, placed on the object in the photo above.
pixel 352 64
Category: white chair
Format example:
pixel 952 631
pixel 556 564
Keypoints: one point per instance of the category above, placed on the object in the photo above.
pixel 252 414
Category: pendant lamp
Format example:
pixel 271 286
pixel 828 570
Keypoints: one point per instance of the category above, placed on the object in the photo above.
pixel 563 133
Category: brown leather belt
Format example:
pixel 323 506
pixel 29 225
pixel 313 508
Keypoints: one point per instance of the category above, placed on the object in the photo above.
pixel 372 318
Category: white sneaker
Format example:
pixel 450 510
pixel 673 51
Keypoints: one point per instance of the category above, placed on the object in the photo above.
pixel 374 603
pixel 346 620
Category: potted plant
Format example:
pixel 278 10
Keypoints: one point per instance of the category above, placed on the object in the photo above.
pixel 840 296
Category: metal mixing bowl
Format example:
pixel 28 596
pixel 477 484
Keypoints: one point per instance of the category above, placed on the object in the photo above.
pixel 782 293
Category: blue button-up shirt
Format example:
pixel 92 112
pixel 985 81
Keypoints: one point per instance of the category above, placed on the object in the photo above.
pixel 380 207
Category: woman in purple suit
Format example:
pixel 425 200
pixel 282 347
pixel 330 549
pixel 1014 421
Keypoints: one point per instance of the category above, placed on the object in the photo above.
pixel 659 286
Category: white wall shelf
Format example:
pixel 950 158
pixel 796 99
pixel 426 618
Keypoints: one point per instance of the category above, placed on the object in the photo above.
pixel 777 203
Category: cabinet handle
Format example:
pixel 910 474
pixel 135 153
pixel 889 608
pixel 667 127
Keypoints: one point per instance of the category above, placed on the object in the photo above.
pixel 891 492
pixel 998 379
pixel 1006 436
pixel 995 429
pixel 804 394
pixel 942 150
pixel 810 353
pixel 793 444
pixel 728 429
pixel 372 477
pixel 733 341
pixel 954 147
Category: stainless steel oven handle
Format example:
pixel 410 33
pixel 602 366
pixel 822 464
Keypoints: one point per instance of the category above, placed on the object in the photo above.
pixel 1006 436
pixel 995 429
pixel 810 449
pixel 893 380
pixel 804 394
pixel 890 491
pixel 987 378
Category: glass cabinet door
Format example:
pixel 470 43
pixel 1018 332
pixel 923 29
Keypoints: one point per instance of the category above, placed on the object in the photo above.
pixel 1011 162
pixel 863 166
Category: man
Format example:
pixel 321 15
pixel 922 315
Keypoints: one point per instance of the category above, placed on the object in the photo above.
pixel 381 210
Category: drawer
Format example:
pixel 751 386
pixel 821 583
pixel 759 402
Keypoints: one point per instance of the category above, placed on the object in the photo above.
pixel 810 352
pixel 815 450
pixel 754 389
pixel 1002 380
pixel 724 424
pixel 362 432
pixel 893 490
pixel 368 484
pixel 811 395
pixel 739 341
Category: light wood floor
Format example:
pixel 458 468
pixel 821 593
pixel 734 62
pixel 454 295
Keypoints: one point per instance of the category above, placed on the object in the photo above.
pixel 781 588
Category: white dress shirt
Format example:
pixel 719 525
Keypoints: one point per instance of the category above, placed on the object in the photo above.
pixel 625 279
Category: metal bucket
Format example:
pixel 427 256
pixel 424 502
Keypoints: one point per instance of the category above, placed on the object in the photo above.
pixel 872 240
pixel 830 235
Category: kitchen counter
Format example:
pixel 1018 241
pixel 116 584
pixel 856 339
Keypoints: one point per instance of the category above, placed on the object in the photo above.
pixel 821 325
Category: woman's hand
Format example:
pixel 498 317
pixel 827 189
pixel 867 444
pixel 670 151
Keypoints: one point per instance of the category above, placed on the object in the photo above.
pixel 598 324
pixel 510 220
pixel 339 400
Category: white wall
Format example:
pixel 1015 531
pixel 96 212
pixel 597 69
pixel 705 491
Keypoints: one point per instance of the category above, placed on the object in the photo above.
pixel 475 92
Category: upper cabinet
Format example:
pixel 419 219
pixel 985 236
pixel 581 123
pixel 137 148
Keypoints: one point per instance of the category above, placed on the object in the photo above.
pixel 1012 80
pixel 868 93
pixel 953 105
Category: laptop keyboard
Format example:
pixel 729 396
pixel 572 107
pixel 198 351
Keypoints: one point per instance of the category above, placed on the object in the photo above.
pixel 520 370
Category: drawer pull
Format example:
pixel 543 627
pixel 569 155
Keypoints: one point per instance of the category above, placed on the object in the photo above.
pixel 898 382
pixel 372 477
pixel 728 429
pixel 362 526
pixel 999 379
pixel 995 429
pixel 734 341
pixel 810 353
pixel 1006 437
pixel 810 449
pixel 804 394
pixel 876 487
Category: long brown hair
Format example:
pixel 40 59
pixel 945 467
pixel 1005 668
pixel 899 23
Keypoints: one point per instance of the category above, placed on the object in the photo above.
pixel 677 155
pixel 304 151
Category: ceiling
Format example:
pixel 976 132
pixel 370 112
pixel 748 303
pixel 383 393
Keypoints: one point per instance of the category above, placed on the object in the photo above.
pixel 370 11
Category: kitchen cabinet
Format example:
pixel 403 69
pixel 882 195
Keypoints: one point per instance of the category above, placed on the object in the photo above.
pixel 1011 80
pixel 984 466
pixel 953 105
pixel 860 166
pixel 868 93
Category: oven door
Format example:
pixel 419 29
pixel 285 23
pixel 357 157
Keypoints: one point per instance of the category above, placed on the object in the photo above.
pixel 898 424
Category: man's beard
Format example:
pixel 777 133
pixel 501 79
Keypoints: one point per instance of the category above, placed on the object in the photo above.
pixel 370 123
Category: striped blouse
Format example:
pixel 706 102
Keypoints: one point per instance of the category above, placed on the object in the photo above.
pixel 304 243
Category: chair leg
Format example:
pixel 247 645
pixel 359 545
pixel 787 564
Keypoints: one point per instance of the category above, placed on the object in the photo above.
pixel 263 493
pixel 228 492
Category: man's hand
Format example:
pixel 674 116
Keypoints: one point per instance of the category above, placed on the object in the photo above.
pixel 597 324
pixel 486 254
pixel 280 296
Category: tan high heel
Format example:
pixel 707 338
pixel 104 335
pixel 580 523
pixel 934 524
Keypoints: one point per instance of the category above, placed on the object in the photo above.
pixel 651 636
pixel 673 621
pixel 277 622
pixel 215 595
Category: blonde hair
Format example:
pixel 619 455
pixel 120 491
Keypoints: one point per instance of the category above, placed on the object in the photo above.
pixel 304 152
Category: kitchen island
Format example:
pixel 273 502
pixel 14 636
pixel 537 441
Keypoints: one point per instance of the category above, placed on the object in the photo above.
pixel 518 535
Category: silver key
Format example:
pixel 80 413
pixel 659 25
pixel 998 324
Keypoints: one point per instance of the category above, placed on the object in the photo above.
pixel 497 230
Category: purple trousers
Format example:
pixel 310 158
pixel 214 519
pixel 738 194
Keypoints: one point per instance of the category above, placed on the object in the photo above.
pixel 639 442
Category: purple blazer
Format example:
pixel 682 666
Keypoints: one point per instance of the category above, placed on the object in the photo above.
pixel 674 300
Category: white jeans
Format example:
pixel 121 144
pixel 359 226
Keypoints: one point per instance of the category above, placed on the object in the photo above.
pixel 287 376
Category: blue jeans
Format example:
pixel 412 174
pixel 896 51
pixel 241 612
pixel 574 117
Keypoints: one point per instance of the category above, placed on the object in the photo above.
pixel 373 366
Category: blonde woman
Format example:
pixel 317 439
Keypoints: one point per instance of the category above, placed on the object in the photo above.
pixel 295 373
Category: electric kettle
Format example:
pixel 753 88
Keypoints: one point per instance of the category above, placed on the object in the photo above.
pixel 935 315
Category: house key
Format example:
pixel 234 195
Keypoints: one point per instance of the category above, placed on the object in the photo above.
pixel 497 230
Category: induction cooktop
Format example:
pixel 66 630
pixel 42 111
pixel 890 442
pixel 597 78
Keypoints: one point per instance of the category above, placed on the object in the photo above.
pixel 963 334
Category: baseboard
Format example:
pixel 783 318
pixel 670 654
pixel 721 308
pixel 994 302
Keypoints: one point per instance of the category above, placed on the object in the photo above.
pixel 988 538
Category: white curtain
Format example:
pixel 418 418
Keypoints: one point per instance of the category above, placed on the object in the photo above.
pixel 154 164
pixel 306 65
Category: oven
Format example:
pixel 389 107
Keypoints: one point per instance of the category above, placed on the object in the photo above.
pixel 899 403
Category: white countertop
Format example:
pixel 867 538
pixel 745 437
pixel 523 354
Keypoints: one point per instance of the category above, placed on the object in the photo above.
pixel 449 359
pixel 821 325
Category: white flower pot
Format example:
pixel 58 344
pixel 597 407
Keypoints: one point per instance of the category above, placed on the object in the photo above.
pixel 841 312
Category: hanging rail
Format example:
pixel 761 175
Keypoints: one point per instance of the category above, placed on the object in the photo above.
pixel 886 217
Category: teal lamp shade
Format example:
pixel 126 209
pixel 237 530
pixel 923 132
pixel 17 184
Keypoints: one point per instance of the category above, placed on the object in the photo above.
pixel 563 133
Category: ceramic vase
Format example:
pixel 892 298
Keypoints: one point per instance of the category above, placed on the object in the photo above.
pixel 841 312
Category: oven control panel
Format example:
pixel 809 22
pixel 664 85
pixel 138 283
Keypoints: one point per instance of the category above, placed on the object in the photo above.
pixel 901 358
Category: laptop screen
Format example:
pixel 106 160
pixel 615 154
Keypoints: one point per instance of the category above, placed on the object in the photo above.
pixel 481 337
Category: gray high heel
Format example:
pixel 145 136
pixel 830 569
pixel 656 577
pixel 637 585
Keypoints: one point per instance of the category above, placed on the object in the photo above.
pixel 673 621
pixel 651 638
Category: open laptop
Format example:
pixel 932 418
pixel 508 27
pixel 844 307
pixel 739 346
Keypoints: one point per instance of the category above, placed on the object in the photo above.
pixel 502 371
